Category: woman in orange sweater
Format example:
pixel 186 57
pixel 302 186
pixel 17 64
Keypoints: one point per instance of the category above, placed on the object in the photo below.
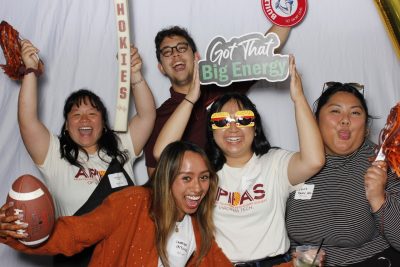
pixel 169 224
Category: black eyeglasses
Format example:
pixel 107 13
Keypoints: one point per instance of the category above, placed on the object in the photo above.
pixel 357 86
pixel 169 50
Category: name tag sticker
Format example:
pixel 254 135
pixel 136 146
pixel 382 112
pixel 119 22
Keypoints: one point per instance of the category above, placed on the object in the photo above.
pixel 305 192
pixel 181 248
pixel 117 180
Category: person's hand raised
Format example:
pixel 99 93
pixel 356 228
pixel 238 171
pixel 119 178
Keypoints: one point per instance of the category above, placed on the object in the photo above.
pixel 29 54
pixel 194 91
pixel 296 87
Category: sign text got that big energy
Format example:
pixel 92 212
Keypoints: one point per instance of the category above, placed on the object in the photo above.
pixel 248 57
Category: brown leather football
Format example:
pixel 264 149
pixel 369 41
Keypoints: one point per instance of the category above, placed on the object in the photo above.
pixel 32 199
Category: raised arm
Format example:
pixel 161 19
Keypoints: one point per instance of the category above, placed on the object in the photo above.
pixel 283 34
pixel 311 157
pixel 175 126
pixel 35 135
pixel 141 125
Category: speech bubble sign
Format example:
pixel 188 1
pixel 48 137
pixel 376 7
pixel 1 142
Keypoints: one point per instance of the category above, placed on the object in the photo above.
pixel 247 57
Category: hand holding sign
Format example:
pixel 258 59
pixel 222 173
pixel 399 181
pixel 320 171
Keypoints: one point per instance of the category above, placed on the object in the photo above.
pixel 296 87
pixel 194 90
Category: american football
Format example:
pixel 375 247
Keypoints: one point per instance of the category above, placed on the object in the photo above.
pixel 32 199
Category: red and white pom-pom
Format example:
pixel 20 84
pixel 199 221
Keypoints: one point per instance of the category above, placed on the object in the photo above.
pixel 390 140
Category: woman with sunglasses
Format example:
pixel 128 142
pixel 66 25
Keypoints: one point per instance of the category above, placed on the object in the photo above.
pixel 353 203
pixel 255 180
pixel 169 224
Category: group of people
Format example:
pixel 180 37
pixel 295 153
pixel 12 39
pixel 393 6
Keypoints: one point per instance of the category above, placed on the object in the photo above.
pixel 219 194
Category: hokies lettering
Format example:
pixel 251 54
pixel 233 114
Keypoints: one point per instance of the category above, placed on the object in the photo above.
pixel 123 35
pixel 236 199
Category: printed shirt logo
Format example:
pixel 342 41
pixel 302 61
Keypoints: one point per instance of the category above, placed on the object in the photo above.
pixel 235 199
pixel 89 175
pixel 284 13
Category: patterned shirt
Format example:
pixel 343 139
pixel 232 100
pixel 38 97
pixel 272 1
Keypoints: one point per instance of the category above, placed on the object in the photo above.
pixel 335 208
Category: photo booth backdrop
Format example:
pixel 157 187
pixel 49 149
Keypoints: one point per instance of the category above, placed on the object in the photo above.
pixel 338 40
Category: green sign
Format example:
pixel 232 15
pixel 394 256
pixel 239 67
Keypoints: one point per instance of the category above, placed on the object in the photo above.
pixel 248 57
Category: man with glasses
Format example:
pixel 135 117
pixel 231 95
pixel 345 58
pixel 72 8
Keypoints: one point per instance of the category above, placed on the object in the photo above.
pixel 176 53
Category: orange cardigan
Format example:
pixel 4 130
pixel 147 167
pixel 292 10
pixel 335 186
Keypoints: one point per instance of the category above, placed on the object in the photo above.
pixel 123 230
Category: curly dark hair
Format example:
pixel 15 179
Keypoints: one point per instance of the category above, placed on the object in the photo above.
pixel 173 31
pixel 108 141
pixel 260 145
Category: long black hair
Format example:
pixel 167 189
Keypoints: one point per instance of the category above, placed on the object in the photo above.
pixel 260 145
pixel 108 141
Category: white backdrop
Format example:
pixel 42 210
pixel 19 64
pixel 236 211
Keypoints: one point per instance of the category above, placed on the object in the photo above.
pixel 338 40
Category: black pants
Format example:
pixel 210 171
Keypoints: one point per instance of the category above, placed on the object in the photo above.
pixel 387 258
pixel 267 262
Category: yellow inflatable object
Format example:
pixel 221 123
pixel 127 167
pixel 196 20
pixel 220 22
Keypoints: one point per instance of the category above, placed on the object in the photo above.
pixel 390 14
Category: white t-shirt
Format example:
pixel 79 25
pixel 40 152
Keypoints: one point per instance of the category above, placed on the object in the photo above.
pixel 250 207
pixel 181 244
pixel 71 186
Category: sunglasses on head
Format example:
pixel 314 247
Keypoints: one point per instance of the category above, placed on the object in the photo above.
pixel 222 120
pixel 357 86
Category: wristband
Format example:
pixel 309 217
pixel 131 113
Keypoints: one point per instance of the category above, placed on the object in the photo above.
pixel 29 70
pixel 189 101
pixel 133 84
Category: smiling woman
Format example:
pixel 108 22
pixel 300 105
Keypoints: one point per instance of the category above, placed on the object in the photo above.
pixel 84 119
pixel 256 179
pixel 88 161
pixel 168 225
pixel 87 149
pixel 86 128
pixel 191 184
